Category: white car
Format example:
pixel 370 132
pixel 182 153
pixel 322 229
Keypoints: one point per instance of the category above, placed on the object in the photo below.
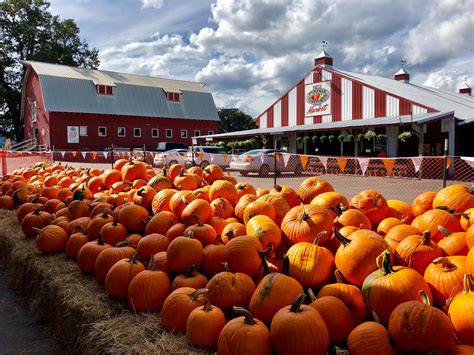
pixel 205 155
pixel 173 156
pixel 262 162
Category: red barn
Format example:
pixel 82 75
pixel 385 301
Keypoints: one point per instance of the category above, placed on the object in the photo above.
pixel 332 102
pixel 74 108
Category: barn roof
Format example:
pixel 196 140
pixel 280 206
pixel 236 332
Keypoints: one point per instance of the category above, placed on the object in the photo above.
pixel 71 89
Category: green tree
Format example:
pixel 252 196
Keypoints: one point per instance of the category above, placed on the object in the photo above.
pixel 28 31
pixel 232 119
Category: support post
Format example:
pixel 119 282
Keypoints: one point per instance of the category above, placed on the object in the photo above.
pixel 445 162
pixel 112 156
pixel 275 170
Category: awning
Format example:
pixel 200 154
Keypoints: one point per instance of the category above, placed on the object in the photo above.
pixel 368 122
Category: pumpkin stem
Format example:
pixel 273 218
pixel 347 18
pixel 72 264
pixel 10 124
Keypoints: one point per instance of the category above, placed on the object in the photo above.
pixel 311 295
pixel 344 241
pixel 375 317
pixel 444 230
pixel 207 305
pixel 445 262
pixel 81 228
pixel 122 243
pixel 386 262
pixel 36 230
pixel 133 258
pixel 244 312
pixel 337 209
pixel 339 277
pixel 226 266
pixel 153 263
pixel 181 172
pixel 296 305
pixel 340 351
pixel 425 298
pixel 303 216
pixel 286 265
pixel 105 215
pixel 318 237
pixel 230 235
pixel 196 217
pixel 38 210
pixel 262 254
pixel 278 188
pixel 183 199
pixel 445 208
pixel 468 283
pixel 197 293
pixel 190 271
pixel 100 240
pixel 426 240
pixel 189 234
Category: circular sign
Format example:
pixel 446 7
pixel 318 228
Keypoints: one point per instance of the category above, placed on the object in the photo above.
pixel 317 95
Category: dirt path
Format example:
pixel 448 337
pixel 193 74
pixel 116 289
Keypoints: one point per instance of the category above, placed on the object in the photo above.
pixel 20 332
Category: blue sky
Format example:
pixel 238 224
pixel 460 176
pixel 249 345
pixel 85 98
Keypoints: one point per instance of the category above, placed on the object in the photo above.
pixel 249 52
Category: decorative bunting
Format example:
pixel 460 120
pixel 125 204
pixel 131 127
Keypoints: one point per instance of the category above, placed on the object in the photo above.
pixel 212 157
pixel 448 162
pixel 363 163
pixel 304 160
pixel 417 163
pixel 105 154
pixel 94 155
pixel 277 157
pixel 74 153
pixel 389 164
pixel 225 158
pixel 286 158
pixel 201 156
pixel 262 157
pixel 342 162
pixel 63 153
pixel 324 161
pixel 469 160
pixel 84 154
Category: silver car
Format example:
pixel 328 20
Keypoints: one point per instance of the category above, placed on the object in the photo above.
pixel 263 161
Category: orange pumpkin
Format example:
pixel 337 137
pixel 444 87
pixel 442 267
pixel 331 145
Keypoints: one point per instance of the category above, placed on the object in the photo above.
pixel 369 338
pixel 265 230
pixel 401 210
pixel 423 203
pixel 461 312
pixel 222 188
pixel 372 204
pixel 311 187
pixel 431 219
pixel 458 198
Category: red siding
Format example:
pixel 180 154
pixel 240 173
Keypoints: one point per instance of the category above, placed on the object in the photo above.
pixel 336 97
pixel 284 111
pixel 270 123
pixel 405 107
pixel 380 104
pixel 356 100
pixel 317 119
pixel 300 103
pixel 59 122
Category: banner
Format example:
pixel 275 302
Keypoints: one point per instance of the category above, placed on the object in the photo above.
pixel 74 153
pixel 469 160
pixel 363 163
pixel 84 154
pixel 389 164
pixel 201 156
pixel 324 161
pixel 105 154
pixel 225 158
pixel 94 155
pixel 262 158
pixel 317 99
pixel 63 153
pixel 286 158
pixel 277 157
pixel 304 160
pixel 342 162
pixel 212 157
pixel 448 162
pixel 417 163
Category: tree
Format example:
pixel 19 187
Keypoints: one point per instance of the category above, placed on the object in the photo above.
pixel 232 119
pixel 28 31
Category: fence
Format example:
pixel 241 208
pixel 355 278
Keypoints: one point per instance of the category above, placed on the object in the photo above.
pixel 11 160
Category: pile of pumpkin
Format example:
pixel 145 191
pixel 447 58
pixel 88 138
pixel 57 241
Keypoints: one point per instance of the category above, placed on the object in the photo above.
pixel 229 264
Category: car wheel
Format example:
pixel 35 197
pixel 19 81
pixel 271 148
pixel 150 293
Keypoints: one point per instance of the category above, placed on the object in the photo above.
pixel 203 164
pixel 298 169
pixel 243 172
pixel 264 170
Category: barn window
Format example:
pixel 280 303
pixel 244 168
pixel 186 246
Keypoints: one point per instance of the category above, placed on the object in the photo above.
pixel 210 132
pixel 137 132
pixel 105 89
pixel 83 130
pixel 155 133
pixel 121 132
pixel 102 131
pixel 169 133
pixel 197 133
pixel 173 96
pixel 184 133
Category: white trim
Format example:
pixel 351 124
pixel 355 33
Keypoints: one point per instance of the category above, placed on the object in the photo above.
pixel 98 131
pixel 157 133
pixel 124 132
pixel 392 106
pixel 346 98
pixel 277 114
pixel 168 130
pixel 139 132
pixel 368 102
pixel 263 120
pixel 292 111
pixel 185 131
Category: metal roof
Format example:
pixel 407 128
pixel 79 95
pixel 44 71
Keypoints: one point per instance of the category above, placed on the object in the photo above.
pixel 441 100
pixel 401 71
pixel 75 92
pixel 370 122
pixel 323 54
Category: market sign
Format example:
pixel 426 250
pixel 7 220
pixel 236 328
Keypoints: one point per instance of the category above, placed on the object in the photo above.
pixel 72 134
pixel 317 99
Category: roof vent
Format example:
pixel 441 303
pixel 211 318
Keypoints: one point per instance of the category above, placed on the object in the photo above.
pixel 465 89
pixel 402 74
pixel 323 58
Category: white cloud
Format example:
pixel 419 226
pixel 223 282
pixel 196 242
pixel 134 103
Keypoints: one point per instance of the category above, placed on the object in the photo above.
pixel 450 80
pixel 152 3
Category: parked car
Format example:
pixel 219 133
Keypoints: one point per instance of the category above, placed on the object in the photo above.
pixel 173 156
pixel 205 155
pixel 262 161
pixel 166 146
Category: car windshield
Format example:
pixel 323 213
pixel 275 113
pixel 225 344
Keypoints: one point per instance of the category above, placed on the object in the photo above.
pixel 178 150
pixel 259 151
pixel 212 150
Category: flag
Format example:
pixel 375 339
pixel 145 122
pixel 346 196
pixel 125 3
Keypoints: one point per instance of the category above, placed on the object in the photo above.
pixel 324 161
pixel 417 163
pixel 224 158
pixel 363 163
pixel 249 158
pixel 94 155
pixel 84 154
pixel 448 162
pixel 389 164
pixel 106 154
pixel 277 157
pixel 342 162
pixel 63 153
pixel 304 160
pixel 286 158
pixel 201 156
pixel 212 157
pixel 74 153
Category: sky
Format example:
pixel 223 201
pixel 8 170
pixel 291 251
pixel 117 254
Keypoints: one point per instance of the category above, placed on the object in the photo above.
pixel 249 52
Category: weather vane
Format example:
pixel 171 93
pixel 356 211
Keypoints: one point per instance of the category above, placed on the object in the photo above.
pixel 402 63
pixel 324 44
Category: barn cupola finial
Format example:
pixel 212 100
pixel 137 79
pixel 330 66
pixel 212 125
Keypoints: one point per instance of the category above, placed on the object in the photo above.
pixel 402 74
pixel 323 58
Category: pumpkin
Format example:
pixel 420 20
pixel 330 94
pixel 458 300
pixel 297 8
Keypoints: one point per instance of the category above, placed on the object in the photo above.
pixel 161 222
pixel 418 251
pixel 177 230
pixel 212 258
pixel 330 200
pixel 444 275
pixel 244 188
pixel 178 305
pixel 400 209
pixel 312 265
pixel 111 176
pixel 186 181
pixel 144 196
pixel 134 218
pixel 299 329
pixel 221 207
pixel 160 182
pixel 462 350
pixel 95 225
pixel 265 230
pixel 453 243
pixel 262 191
pixel 134 170
pixel 24 209
pixel 218 223
pixel 372 204
pixel 51 239
pixel 302 223
pixel 387 287
pixel 113 232
pixel 133 240
pixel 119 164
pixel 241 253
pixel 161 262
pixel 233 229
pixel 417 326
pixel 369 338
pixel 243 202
pixel 336 316
pixel 36 219
pixel 461 312
pixel 275 291
pixel 180 200
pixel 75 242
pixel 456 197
pixel 212 172
pixel 183 252
pixel 222 188
pixel 108 257
pixel 77 209
pixel 82 221
pixel 280 205
pixel 205 233
pixel 399 232
pixel 470 261
pixel 349 294
pixel 286 192
pixel 356 257
pixel 432 219
pixel 120 275
pixel 354 218
pixel 88 254
pixel 150 245
pixel 467 219
pixel 174 171
pixel 204 325
pixel 227 289
pixel 386 224
pixel 161 201
pixel 244 335
pixel 470 237
pixel 423 203
pixel 311 187
pixel 191 278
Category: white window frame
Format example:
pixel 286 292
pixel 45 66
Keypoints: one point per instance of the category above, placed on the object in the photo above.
pixel 184 133
pixel 124 132
pixel 169 130
pixel 157 130
pixel 197 132
pixel 210 132
pixel 83 131
pixel 139 132
pixel 98 131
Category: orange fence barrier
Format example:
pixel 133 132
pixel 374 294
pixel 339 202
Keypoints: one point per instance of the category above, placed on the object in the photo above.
pixel 10 161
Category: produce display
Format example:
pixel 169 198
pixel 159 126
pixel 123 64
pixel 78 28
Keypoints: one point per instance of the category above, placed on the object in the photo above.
pixel 243 270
